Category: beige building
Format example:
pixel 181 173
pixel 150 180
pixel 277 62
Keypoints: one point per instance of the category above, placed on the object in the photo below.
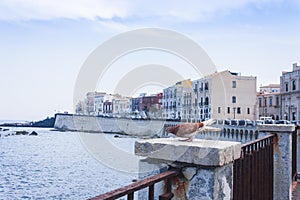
pixel 290 94
pixel 121 105
pixel 223 95
pixel 268 100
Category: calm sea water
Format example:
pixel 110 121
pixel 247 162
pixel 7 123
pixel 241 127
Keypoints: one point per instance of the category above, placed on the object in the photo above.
pixel 56 165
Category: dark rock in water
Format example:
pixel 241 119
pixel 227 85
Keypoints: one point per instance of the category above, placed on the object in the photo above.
pixel 22 133
pixel 5 129
pixel 116 136
pixel 33 133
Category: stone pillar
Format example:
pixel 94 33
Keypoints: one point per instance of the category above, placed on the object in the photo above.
pixel 282 159
pixel 298 151
pixel 206 165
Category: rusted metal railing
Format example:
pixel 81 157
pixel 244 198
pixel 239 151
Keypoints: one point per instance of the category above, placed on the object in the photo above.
pixel 139 185
pixel 253 172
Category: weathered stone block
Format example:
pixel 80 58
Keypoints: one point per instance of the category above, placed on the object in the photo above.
pixel 199 152
pixel 284 128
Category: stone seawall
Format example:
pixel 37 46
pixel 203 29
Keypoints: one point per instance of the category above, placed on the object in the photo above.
pixel 86 123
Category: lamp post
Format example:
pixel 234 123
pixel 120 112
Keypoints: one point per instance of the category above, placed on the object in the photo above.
pixel 234 112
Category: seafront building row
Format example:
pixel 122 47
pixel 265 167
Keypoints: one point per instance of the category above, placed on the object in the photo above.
pixel 221 95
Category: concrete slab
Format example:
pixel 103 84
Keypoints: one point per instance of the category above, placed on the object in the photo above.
pixel 199 152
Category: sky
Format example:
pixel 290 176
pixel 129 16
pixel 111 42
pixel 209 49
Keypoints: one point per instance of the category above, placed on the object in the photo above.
pixel 44 44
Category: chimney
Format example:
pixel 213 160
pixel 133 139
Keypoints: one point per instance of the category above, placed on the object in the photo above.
pixel 295 66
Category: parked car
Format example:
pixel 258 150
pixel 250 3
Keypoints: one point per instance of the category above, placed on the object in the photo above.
pixel 234 122
pixel 259 122
pixel 296 123
pixel 249 122
pixel 226 122
pixel 242 122
pixel 270 121
pixel 283 122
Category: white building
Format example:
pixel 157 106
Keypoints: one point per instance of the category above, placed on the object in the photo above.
pixel 290 94
pixel 90 102
pixel 177 100
pixel 99 99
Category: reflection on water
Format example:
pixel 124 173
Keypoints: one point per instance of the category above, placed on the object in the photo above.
pixel 56 165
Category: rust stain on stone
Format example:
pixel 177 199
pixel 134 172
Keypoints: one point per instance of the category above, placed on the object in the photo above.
pixel 180 186
pixel 276 144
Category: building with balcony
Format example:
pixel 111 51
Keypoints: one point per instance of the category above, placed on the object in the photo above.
pixel 224 95
pixel 151 105
pixel 121 105
pixel 290 94
pixel 269 103
pixel 99 99
pixel 177 100
pixel 94 102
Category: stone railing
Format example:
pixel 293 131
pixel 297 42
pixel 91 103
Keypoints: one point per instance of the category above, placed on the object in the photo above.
pixel 207 165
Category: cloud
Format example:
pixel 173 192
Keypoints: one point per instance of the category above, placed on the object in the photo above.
pixel 16 10
pixel 191 10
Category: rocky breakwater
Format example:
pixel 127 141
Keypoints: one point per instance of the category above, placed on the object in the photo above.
pixel 5 132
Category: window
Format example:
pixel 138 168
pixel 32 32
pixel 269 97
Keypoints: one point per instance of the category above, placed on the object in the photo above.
pixel 233 84
pixel 219 109
pixel 265 102
pixel 201 87
pixel 206 101
pixel 238 110
pixel 270 102
pixel 206 86
pixel 259 102
pixel 248 111
pixel 234 99
pixel 277 101
pixel 294 85
pixel 286 87
pixel 294 116
pixel 228 110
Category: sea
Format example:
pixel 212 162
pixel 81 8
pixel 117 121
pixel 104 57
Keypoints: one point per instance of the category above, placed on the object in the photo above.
pixel 64 165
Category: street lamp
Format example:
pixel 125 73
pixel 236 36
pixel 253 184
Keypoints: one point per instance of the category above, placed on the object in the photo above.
pixel 234 112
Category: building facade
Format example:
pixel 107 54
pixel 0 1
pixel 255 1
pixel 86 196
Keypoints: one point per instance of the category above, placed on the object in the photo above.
pixel 290 94
pixel 151 105
pixel 121 105
pixel 99 99
pixel 93 101
pixel 269 103
pixel 177 100
pixel 224 95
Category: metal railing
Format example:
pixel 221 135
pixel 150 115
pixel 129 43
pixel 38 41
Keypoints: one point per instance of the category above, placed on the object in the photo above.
pixel 253 172
pixel 139 185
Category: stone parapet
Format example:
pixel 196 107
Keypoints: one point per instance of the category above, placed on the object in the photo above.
pixel 287 128
pixel 198 152
pixel 206 166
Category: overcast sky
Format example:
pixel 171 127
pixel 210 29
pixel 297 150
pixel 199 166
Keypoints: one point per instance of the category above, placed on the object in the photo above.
pixel 45 43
